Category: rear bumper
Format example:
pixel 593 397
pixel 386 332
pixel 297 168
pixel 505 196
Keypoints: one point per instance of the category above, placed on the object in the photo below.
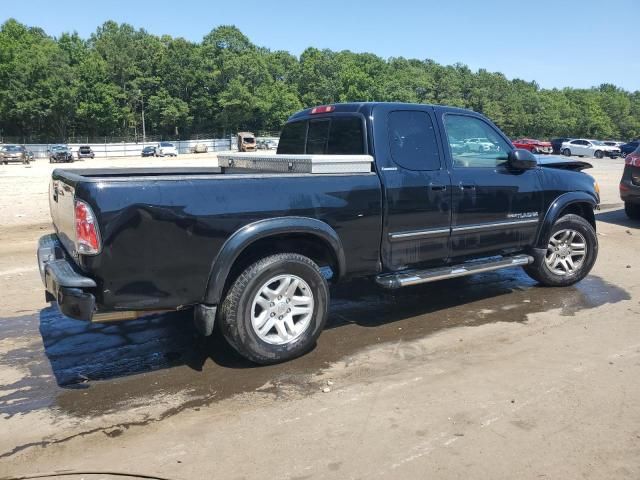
pixel 629 192
pixel 63 283
pixel 630 184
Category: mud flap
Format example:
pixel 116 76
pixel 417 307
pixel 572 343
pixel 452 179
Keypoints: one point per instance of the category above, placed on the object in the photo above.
pixel 204 317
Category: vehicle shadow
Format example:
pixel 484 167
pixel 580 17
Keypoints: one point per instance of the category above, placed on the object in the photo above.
pixel 361 315
pixel 617 217
pixel 81 351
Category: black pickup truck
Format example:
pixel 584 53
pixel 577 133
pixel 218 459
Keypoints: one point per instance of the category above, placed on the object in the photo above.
pixel 254 249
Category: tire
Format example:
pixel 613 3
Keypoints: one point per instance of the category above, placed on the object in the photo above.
pixel 632 210
pixel 566 152
pixel 240 308
pixel 542 272
pixel 534 150
pixel 598 154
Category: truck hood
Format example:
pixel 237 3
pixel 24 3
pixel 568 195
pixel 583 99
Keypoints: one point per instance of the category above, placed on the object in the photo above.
pixel 563 163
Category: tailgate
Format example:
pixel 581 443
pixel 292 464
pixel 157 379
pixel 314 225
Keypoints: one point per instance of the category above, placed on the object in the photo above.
pixel 61 205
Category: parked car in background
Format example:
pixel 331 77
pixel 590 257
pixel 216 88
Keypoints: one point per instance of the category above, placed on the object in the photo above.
pixel 149 151
pixel 246 142
pixel 166 149
pixel 613 143
pixel 629 147
pixel 60 153
pixel 85 152
pixel 261 144
pixel 477 145
pixel 556 144
pixel 199 148
pixel 630 185
pixel 272 144
pixel 534 146
pixel 589 148
pixel 13 153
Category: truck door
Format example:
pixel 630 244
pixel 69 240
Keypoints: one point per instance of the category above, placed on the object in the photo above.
pixel 417 187
pixel 496 209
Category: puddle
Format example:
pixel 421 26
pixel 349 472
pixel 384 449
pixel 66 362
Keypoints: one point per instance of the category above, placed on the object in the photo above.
pixel 85 369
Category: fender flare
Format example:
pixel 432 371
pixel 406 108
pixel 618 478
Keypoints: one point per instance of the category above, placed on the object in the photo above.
pixel 556 207
pixel 252 232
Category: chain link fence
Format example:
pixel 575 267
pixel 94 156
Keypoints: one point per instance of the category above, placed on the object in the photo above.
pixel 127 146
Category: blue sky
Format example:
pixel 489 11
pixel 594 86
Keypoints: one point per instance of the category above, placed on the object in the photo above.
pixel 556 43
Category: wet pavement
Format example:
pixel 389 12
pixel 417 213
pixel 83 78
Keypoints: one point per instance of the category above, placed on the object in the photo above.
pixel 86 370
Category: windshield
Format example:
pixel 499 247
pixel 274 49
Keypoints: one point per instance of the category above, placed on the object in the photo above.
pixel 166 144
pixel 249 140
pixel 12 148
pixel 596 142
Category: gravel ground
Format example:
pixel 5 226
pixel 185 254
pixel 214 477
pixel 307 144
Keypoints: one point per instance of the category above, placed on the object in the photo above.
pixel 487 376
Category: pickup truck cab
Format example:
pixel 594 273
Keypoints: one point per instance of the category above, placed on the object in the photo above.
pixel 373 190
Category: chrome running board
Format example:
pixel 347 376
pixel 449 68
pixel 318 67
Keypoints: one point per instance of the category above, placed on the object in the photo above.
pixel 415 277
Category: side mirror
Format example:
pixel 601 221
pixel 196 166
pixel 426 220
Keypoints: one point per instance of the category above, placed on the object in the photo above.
pixel 521 159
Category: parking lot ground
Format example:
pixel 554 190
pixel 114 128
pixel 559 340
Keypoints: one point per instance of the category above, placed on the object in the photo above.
pixel 486 376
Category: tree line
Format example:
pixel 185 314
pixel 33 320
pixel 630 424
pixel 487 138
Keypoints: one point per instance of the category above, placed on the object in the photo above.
pixel 55 88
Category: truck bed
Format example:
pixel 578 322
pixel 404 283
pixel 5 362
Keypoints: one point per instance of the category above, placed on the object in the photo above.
pixel 161 228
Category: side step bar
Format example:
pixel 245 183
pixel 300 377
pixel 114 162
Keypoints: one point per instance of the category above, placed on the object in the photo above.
pixel 415 277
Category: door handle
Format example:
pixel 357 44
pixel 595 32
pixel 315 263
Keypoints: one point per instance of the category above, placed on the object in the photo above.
pixel 437 187
pixel 463 186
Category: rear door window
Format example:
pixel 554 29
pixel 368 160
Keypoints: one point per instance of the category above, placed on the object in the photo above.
pixel 413 141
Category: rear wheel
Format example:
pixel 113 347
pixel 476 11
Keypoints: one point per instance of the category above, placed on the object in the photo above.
pixel 566 152
pixel 572 249
pixel 534 150
pixel 632 210
pixel 598 154
pixel 276 308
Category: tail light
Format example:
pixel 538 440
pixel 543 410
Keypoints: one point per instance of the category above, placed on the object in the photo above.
pixel 323 109
pixel 87 235
pixel 633 160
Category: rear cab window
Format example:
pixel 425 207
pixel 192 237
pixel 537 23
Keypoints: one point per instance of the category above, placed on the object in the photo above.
pixel 329 135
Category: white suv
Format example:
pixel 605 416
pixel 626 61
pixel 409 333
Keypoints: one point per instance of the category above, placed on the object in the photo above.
pixel 166 149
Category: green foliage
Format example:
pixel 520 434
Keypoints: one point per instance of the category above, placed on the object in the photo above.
pixel 51 88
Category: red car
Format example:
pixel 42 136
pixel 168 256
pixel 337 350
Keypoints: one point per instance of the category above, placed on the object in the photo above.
pixel 534 146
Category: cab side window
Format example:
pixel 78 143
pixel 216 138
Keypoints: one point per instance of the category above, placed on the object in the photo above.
pixel 412 140
pixel 474 143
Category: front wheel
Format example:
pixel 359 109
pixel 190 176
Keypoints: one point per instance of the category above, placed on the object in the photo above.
pixel 275 309
pixel 632 210
pixel 572 249
pixel 599 154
